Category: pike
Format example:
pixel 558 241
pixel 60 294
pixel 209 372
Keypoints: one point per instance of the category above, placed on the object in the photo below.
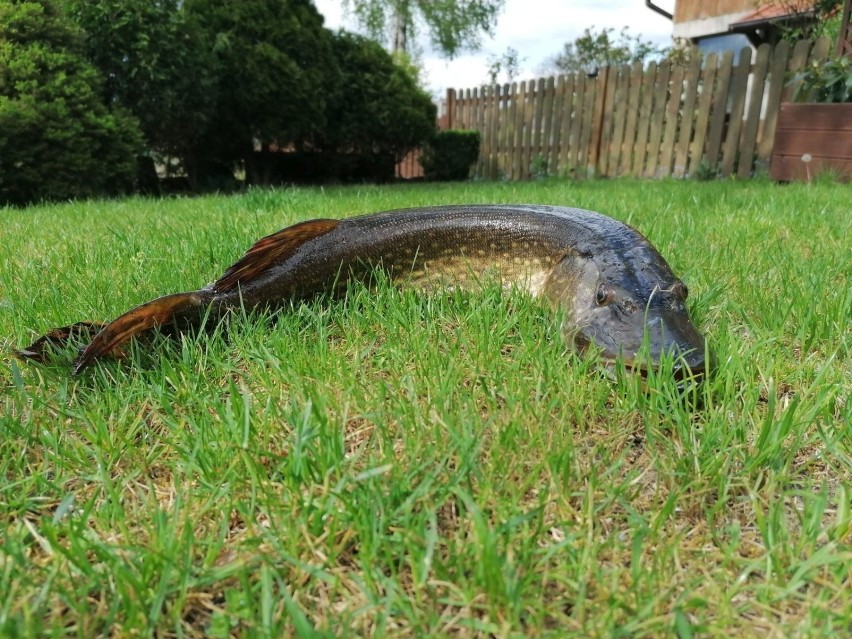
pixel 615 290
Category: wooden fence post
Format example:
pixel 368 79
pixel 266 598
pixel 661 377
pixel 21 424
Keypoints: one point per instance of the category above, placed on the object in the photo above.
pixel 777 79
pixel 598 123
pixel 751 122
pixel 739 86
pixel 687 120
pixel 451 106
pixel 702 123
pixel 640 148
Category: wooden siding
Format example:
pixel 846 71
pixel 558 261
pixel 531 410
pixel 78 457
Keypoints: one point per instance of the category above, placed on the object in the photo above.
pixel 688 10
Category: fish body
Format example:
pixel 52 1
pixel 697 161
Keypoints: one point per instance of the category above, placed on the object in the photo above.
pixel 614 288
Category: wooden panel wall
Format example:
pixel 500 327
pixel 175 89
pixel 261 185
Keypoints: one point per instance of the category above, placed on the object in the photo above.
pixel 811 139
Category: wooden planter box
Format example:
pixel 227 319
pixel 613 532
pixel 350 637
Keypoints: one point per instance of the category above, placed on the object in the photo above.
pixel 811 139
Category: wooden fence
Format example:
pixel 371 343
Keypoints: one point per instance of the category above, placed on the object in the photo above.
pixel 668 119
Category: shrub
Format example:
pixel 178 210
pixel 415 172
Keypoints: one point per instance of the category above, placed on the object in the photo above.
pixel 57 139
pixel 273 66
pixel 377 110
pixel 826 81
pixel 450 154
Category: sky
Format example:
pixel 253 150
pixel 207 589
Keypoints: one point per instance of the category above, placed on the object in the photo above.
pixel 536 28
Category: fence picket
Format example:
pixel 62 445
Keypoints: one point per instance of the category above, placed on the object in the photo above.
pixel 506 128
pixel 558 120
pixel 708 79
pixel 486 96
pixel 516 150
pixel 574 113
pixel 587 122
pixel 687 118
pixel 538 119
pixel 720 109
pixel 545 142
pixel 484 128
pixel 673 109
pixel 619 118
pixel 658 112
pixel 473 123
pixel 739 89
pixel 777 80
pixel 526 130
pixel 797 62
pixel 641 149
pixel 604 120
pixel 752 114
pixel 629 142
pixel 496 118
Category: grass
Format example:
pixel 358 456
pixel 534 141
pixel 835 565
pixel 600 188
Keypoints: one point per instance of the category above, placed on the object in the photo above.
pixel 401 465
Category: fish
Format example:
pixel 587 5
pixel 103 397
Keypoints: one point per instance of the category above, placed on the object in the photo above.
pixel 614 289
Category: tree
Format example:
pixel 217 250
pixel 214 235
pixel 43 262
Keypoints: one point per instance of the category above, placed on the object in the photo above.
pixel 509 63
pixel 595 49
pixel 155 63
pixel 57 138
pixel 380 109
pixel 452 25
pixel 274 65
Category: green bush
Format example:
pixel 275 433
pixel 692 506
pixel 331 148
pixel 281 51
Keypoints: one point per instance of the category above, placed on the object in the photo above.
pixel 826 81
pixel 377 109
pixel 273 66
pixel 157 63
pixel 57 139
pixel 450 154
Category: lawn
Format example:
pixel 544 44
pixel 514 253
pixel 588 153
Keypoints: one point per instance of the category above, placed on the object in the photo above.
pixel 407 465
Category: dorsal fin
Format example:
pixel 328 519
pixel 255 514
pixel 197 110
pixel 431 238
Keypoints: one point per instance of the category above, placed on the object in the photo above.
pixel 271 250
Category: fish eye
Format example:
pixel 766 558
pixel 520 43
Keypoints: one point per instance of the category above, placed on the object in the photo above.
pixel 603 295
pixel 680 290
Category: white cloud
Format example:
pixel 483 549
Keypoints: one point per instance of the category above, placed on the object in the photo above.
pixel 536 28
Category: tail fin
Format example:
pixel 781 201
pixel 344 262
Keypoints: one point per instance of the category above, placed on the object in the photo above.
pixel 162 310
pixel 58 338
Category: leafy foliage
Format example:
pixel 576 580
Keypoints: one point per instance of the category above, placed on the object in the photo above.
pixel 826 81
pixel 155 63
pixel 377 107
pixel 57 138
pixel 509 63
pixel 452 25
pixel 273 65
pixel 450 154
pixel 595 49
pixel 375 114
pixel 208 79
pixel 212 82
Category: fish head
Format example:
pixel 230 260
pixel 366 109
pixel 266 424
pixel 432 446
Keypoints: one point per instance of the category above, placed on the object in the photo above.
pixel 631 308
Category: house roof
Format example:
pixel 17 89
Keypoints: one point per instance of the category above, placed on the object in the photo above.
pixel 767 14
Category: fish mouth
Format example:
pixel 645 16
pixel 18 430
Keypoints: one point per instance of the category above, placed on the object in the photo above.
pixel 682 371
pixel 685 363
pixel 679 373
